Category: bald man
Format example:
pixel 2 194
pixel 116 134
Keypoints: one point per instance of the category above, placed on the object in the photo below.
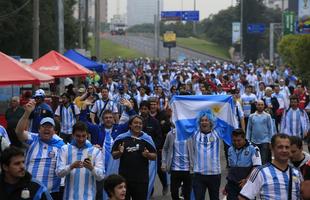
pixel 260 129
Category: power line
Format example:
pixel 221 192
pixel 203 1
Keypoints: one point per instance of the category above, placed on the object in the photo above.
pixel 15 11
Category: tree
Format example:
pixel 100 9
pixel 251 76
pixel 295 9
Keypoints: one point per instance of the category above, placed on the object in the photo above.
pixel 295 51
pixel 141 28
pixel 218 27
pixel 16 30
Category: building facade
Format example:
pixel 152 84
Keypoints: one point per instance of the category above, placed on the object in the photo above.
pixel 142 11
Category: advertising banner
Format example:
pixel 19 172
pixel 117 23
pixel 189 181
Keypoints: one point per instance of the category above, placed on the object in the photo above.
pixel 235 32
pixel 303 22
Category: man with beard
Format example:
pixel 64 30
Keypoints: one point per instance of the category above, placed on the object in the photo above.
pixel 16 182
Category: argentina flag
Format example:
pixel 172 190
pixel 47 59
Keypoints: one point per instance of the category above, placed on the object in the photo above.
pixel 185 110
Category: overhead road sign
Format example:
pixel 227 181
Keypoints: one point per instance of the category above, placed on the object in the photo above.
pixel 171 15
pixel 190 15
pixel 180 15
pixel 256 28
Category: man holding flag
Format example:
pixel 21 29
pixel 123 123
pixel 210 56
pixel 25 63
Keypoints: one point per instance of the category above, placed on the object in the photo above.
pixel 207 166
pixel 206 120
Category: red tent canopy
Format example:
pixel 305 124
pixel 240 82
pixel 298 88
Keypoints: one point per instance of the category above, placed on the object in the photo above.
pixel 14 72
pixel 57 65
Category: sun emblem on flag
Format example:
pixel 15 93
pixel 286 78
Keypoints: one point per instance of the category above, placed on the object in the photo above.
pixel 216 109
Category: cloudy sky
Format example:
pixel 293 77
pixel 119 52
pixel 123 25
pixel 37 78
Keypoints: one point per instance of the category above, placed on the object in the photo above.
pixel 206 7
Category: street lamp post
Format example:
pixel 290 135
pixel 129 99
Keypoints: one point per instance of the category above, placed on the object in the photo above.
pixel 194 23
pixel 241 30
pixel 97 29
pixel 61 40
pixel 158 29
pixel 36 30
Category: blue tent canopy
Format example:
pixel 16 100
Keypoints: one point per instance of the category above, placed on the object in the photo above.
pixel 84 61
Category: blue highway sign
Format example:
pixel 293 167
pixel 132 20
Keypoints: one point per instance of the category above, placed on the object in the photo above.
pixel 256 28
pixel 171 15
pixel 190 15
pixel 180 15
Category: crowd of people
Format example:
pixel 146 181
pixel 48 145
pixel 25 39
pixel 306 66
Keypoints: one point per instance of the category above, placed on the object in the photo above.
pixel 113 132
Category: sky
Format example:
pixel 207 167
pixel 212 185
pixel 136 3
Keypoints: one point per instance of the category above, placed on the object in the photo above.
pixel 205 7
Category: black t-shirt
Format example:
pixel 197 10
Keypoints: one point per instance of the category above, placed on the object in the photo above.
pixel 134 167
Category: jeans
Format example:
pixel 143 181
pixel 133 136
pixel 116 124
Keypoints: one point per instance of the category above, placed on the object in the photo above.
pixel 265 152
pixel 178 177
pixel 232 190
pixel 162 175
pixel 203 182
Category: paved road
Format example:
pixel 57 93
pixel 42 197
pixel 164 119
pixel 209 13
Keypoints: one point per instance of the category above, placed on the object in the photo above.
pixel 146 46
pixel 158 188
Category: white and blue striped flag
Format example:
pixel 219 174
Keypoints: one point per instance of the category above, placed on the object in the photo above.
pixel 185 110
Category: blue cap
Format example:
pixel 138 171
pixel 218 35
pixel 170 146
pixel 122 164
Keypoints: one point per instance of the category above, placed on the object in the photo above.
pixel 47 120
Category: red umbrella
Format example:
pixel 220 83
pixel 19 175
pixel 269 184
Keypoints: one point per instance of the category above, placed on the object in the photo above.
pixel 57 65
pixel 14 72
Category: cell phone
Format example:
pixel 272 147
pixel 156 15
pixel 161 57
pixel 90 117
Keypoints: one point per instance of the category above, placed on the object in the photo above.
pixel 86 159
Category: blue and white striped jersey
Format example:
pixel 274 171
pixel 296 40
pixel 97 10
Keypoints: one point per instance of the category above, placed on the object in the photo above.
pixel 107 144
pixel 67 118
pixel 207 153
pixel 271 183
pixel 99 105
pixel 117 101
pixel 139 99
pixel 238 112
pixel 295 122
pixel 4 134
pixel 180 159
pixel 80 183
pixel 246 103
pixel 41 160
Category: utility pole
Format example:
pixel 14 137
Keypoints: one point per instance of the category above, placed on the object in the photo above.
pixel 81 22
pixel 275 30
pixel 271 43
pixel 194 22
pixel 36 30
pixel 181 5
pixel 241 30
pixel 86 25
pixel 282 12
pixel 155 36
pixel 61 34
pixel 97 29
pixel 158 29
